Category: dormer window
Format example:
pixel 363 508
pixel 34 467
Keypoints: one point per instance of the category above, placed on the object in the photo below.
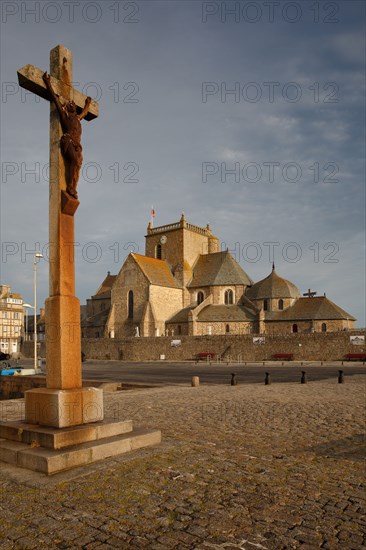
pixel 280 304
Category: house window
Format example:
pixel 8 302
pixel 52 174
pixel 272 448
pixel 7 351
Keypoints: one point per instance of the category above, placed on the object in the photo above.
pixel 265 305
pixel 200 297
pixel 227 328
pixel 294 327
pixel 280 304
pixel 130 304
pixel 229 297
pixel 324 327
pixel 158 251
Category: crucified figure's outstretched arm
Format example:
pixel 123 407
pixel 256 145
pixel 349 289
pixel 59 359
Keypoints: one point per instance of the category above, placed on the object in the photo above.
pixel 84 112
pixel 47 80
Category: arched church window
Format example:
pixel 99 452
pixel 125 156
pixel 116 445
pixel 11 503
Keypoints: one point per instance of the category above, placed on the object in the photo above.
pixel 280 304
pixel 130 304
pixel 324 327
pixel 158 251
pixel 265 305
pixel 229 296
pixel 200 297
pixel 294 327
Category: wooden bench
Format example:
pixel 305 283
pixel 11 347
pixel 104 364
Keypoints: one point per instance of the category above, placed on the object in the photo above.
pixel 285 356
pixel 205 355
pixel 355 356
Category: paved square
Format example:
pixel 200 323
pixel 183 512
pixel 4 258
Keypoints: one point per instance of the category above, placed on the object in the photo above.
pixel 250 466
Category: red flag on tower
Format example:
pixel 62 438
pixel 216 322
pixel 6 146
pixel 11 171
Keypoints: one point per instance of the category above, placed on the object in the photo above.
pixel 152 216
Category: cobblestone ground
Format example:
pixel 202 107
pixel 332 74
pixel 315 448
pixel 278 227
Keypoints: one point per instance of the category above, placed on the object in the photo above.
pixel 245 467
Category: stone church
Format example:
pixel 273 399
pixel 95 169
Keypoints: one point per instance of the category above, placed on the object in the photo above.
pixel 185 285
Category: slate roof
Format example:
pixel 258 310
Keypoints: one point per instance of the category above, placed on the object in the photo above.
pixel 226 313
pixel 182 315
pixel 106 285
pixel 97 320
pixel 273 286
pixel 315 308
pixel 156 271
pixel 218 268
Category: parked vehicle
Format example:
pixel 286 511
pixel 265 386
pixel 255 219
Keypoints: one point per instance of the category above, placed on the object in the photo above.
pixel 4 356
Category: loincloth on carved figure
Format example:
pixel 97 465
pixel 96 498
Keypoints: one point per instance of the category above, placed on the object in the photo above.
pixel 67 142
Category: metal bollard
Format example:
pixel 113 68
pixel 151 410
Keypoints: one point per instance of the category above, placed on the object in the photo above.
pixel 303 377
pixel 233 379
pixel 195 381
pixel 267 379
pixel 340 377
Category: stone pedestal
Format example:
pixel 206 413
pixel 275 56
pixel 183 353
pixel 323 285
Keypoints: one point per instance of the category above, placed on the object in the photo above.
pixel 63 408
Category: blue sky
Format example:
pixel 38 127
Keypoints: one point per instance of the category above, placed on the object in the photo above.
pixel 252 121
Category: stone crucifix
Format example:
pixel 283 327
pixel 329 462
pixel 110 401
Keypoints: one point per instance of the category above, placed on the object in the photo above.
pixel 62 403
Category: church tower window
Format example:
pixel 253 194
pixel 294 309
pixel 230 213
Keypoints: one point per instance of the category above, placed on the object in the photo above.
pixel 158 252
pixel 280 304
pixel 265 305
pixel 130 304
pixel 227 328
pixel 229 297
pixel 200 297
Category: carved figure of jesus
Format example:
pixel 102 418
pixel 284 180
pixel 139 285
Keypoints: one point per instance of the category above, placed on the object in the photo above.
pixel 71 148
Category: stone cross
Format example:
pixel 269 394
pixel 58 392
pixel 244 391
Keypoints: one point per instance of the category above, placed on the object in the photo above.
pixel 309 293
pixel 62 402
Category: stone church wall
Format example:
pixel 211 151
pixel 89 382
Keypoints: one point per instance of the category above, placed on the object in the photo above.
pixel 286 327
pixel 305 347
pixel 165 301
pixel 129 278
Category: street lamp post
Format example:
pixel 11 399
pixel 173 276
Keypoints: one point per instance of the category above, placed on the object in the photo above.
pixel 36 255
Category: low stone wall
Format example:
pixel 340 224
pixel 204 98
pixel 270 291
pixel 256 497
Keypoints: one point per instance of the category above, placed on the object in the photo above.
pixel 13 387
pixel 304 347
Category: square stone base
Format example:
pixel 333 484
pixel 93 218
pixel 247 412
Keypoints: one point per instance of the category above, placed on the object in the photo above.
pixel 53 451
pixel 63 408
